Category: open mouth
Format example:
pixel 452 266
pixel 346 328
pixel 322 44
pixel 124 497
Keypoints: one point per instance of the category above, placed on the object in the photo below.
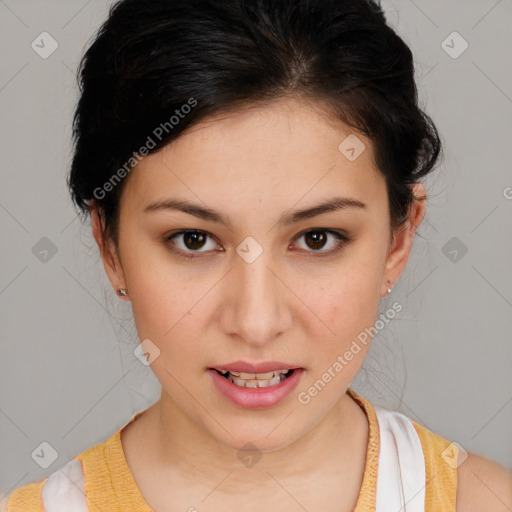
pixel 255 380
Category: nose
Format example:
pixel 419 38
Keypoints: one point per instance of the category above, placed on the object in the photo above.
pixel 258 306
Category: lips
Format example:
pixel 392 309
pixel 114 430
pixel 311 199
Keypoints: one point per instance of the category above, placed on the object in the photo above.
pixel 255 397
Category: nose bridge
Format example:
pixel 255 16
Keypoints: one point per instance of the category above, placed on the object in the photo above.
pixel 258 308
pixel 256 280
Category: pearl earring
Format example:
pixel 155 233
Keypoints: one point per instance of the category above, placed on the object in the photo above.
pixel 389 286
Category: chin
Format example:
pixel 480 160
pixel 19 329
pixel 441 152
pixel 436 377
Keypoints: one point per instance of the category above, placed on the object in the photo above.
pixel 254 442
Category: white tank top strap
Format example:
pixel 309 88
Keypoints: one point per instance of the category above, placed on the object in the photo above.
pixel 64 491
pixel 401 477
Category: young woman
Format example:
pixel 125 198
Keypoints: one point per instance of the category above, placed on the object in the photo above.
pixel 253 171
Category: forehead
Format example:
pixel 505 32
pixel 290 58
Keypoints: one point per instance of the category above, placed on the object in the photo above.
pixel 278 154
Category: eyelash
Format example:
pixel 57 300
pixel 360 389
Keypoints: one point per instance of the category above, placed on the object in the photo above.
pixel 342 241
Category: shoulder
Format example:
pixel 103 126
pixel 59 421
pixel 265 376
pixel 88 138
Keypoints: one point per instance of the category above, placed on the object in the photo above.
pixel 26 497
pixel 483 484
pixel 478 483
pixel 64 487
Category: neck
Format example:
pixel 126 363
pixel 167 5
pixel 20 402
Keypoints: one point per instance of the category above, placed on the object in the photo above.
pixel 332 445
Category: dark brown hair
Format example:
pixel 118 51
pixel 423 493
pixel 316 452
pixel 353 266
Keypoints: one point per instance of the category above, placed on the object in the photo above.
pixel 157 67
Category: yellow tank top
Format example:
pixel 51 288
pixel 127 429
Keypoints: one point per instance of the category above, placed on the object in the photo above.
pixel 109 484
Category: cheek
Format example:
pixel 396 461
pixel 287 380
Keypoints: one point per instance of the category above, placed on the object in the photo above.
pixel 165 314
pixel 165 309
pixel 163 298
pixel 160 295
pixel 349 311
pixel 348 307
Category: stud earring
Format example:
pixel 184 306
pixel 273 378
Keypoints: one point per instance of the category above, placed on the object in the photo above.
pixel 389 286
pixel 122 292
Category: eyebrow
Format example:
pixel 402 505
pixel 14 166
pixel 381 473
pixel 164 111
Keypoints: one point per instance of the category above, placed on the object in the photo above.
pixel 331 205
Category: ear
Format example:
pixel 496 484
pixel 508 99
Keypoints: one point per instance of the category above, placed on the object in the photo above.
pixel 402 239
pixel 111 262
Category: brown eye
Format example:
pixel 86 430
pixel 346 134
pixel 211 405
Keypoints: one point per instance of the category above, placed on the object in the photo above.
pixel 191 242
pixel 194 240
pixel 317 239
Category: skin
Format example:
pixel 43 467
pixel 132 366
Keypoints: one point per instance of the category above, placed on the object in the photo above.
pixel 216 308
pixel 182 451
pixel 289 305
pixel 253 166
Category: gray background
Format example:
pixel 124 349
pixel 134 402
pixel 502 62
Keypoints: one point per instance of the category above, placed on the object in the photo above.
pixel 68 375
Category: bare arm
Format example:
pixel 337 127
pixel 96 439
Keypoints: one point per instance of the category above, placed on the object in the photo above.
pixel 3 504
pixel 483 484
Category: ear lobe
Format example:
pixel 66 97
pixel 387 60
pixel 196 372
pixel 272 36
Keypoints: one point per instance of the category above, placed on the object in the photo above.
pixel 107 250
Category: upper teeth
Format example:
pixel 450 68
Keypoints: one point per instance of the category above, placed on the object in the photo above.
pixel 255 380
pixel 258 376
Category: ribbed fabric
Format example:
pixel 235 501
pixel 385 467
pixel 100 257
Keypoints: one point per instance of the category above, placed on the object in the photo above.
pixel 441 475
pixel 109 483
pixel 27 498
pixel 366 500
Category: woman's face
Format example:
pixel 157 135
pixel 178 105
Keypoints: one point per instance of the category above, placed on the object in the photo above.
pixel 259 282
